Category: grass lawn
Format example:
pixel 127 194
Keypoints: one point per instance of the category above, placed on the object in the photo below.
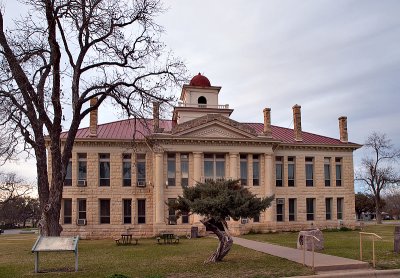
pixel 347 244
pixel 102 258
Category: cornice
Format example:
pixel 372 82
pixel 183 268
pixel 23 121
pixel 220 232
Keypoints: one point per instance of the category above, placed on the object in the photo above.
pixel 286 146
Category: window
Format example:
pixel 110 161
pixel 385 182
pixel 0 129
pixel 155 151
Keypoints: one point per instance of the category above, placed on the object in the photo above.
pixel 310 205
pixel 68 175
pixel 243 169
pixel 141 169
pixel 280 210
pixel 339 206
pixel 171 213
pixel 126 169
pixel 104 211
pixel 256 170
pixel 292 209
pixel 256 218
pixel 171 165
pixel 185 217
pixel 127 210
pixel 202 101
pixel 81 208
pixel 141 211
pixel 214 166
pixel 184 170
pixel 278 171
pixel 82 169
pixel 327 171
pixel 328 208
pixel 291 170
pixel 338 171
pixel 104 166
pixel 309 171
pixel 67 211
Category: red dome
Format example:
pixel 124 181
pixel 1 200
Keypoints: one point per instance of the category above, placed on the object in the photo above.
pixel 200 81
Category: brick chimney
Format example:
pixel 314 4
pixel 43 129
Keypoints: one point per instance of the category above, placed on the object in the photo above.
pixel 156 116
pixel 297 123
pixel 93 118
pixel 267 122
pixel 343 129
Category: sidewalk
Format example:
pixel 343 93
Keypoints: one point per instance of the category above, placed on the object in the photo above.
pixel 327 266
pixel 322 262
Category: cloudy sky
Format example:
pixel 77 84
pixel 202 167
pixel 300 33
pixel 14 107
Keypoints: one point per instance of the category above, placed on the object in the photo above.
pixel 332 57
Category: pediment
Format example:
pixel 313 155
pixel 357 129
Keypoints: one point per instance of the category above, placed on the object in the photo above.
pixel 214 126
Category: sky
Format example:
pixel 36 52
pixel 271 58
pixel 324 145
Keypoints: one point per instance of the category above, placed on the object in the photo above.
pixel 334 58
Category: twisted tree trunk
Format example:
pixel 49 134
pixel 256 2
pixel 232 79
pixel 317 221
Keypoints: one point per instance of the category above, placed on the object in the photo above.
pixel 225 241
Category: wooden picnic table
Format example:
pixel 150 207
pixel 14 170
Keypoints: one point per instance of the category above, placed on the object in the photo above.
pixel 126 239
pixel 168 237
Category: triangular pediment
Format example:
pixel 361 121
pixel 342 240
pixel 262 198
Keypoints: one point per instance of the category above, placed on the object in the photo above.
pixel 214 126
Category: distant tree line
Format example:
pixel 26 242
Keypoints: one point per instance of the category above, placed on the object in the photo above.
pixel 389 205
pixel 17 207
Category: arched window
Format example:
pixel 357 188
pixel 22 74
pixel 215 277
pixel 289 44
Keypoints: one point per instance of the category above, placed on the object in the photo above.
pixel 202 100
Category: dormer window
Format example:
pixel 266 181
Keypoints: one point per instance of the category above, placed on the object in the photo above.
pixel 202 101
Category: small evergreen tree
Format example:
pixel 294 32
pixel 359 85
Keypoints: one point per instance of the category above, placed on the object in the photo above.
pixel 216 201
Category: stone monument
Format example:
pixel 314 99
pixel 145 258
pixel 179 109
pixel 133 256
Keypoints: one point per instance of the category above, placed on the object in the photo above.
pixel 303 239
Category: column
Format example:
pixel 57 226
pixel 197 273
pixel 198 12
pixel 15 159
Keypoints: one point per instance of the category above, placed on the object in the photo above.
pixel 196 167
pixel 233 158
pixel 159 189
pixel 196 178
pixel 269 188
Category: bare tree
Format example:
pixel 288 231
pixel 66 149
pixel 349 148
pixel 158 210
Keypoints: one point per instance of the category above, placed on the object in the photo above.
pixel 392 202
pixel 65 53
pixel 377 171
pixel 12 187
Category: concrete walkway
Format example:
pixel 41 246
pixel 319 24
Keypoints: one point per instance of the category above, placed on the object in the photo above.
pixel 322 262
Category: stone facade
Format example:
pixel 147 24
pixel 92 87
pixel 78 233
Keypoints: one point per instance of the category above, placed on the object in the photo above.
pixel 266 161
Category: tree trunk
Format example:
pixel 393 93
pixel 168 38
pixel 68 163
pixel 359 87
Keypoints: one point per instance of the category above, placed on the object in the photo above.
pixel 225 242
pixel 50 196
pixel 378 210
pixel 378 216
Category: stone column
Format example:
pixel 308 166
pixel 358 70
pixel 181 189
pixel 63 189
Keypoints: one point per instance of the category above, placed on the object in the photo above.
pixel 159 188
pixel 196 177
pixel 269 188
pixel 233 158
pixel 196 167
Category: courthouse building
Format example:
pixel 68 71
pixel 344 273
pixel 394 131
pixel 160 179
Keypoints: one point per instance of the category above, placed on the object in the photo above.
pixel 122 174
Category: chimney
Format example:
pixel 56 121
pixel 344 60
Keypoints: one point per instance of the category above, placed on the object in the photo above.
pixel 343 129
pixel 297 123
pixel 93 118
pixel 267 122
pixel 156 116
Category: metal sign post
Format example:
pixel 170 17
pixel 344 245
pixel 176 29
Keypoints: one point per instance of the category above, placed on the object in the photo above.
pixel 55 244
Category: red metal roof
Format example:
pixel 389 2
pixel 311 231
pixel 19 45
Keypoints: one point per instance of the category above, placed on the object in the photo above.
pixel 122 130
pixel 286 135
pixel 200 81
pixel 138 129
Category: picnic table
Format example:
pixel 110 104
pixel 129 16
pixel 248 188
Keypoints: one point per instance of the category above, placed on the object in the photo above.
pixel 126 239
pixel 168 238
